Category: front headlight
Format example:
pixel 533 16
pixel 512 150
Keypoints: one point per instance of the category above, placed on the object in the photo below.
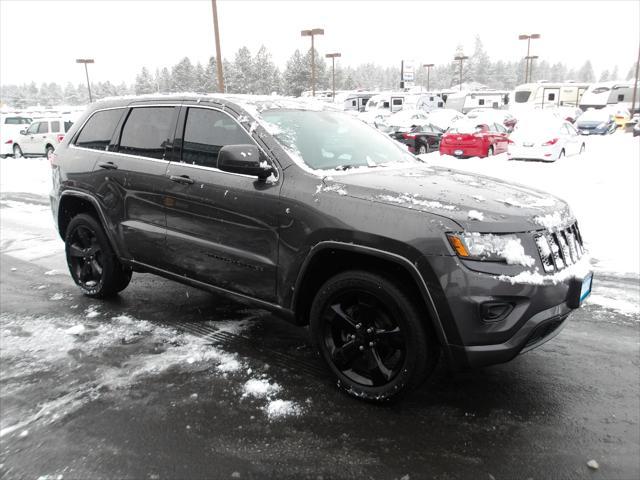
pixel 488 247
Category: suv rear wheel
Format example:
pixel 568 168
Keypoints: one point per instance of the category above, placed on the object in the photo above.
pixel 372 336
pixel 92 263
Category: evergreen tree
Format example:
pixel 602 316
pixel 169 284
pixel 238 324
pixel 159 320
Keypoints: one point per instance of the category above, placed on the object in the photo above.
pixel 164 80
pixel 631 74
pixel 266 75
pixel 242 77
pixel 604 76
pixel 586 74
pixel 296 76
pixel 70 96
pixel 614 73
pixel 479 64
pixel 210 81
pixel 144 82
pixel 183 76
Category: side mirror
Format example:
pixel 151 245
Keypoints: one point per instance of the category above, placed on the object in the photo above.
pixel 23 131
pixel 243 159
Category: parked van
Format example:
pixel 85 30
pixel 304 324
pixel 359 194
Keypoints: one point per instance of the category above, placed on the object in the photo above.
pixel 465 101
pixel 544 94
pixel 602 94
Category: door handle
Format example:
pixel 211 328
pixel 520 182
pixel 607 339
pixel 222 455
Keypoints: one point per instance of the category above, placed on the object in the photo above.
pixel 183 179
pixel 108 165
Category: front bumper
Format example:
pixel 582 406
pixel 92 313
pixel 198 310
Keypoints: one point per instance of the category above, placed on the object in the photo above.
pixel 536 313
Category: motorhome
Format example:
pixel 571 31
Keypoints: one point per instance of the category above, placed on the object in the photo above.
pixel 603 94
pixel 387 102
pixel 353 101
pixel 426 101
pixel 547 95
pixel 465 101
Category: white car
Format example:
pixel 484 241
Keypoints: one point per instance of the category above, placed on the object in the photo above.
pixel 547 141
pixel 404 119
pixel 490 115
pixel 41 138
pixel 10 126
pixel 443 118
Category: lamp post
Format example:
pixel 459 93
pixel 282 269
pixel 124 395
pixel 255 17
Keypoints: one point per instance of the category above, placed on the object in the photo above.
pixel 528 38
pixel 428 67
pixel 218 54
pixel 530 59
pixel 333 57
pixel 312 33
pixel 460 58
pixel 86 71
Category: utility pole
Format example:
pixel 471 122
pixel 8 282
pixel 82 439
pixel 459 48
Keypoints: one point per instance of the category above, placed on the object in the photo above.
pixel 86 71
pixel 333 57
pixel 635 85
pixel 530 59
pixel 528 38
pixel 460 58
pixel 218 54
pixel 312 33
pixel 428 67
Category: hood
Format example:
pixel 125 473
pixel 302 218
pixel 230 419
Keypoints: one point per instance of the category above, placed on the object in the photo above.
pixel 477 203
pixel 590 123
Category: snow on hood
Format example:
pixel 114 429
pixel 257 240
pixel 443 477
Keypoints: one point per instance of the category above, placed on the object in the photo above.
pixel 476 203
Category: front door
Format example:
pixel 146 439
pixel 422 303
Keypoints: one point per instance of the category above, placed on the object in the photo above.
pixel 222 228
pixel 27 142
pixel 550 97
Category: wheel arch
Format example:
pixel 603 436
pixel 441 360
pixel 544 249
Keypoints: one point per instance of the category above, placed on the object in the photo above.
pixel 329 258
pixel 73 203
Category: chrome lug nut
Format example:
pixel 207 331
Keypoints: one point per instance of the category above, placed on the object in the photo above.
pixel 360 347
pixel 359 325
pixel 371 344
pixel 369 330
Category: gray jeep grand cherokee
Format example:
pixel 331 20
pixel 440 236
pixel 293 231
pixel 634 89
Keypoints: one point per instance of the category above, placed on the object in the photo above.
pixel 312 214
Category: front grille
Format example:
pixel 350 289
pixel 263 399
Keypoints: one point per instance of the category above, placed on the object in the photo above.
pixel 560 248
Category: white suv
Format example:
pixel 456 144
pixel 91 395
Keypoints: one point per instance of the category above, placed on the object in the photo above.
pixel 41 138
pixel 10 126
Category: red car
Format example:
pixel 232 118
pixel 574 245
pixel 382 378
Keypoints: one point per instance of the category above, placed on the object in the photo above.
pixel 466 139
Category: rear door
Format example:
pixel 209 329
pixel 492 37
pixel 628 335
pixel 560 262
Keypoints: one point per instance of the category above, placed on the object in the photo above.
pixel 135 181
pixel 222 228
pixel 550 97
pixel 396 104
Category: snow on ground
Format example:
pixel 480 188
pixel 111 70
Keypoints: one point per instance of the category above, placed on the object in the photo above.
pixel 602 186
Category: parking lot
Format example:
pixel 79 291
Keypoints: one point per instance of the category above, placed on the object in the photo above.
pixel 170 382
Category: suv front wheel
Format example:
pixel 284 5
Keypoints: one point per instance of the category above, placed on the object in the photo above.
pixel 372 336
pixel 91 260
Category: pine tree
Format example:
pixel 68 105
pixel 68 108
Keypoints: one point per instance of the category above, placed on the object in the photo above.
pixel 144 82
pixel 210 84
pixel 479 64
pixel 631 73
pixel 183 76
pixel 265 73
pixel 586 74
pixel 242 78
pixel 296 76
pixel 614 73
pixel 604 76
pixel 164 80
pixel 70 96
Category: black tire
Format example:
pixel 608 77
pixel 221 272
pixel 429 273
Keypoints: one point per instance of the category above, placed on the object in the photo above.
pixel 17 151
pixel 423 149
pixel 372 336
pixel 48 152
pixel 91 260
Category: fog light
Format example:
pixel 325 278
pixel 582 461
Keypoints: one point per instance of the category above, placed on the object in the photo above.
pixel 495 311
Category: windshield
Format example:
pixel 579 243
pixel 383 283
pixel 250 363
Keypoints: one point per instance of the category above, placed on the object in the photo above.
pixel 328 140
pixel 595 116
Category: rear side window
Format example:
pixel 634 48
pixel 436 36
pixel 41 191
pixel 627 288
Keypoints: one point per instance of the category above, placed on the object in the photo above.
pixel 55 126
pixel 147 131
pixel 43 127
pixel 67 126
pixel 97 132
pixel 16 121
pixel 206 132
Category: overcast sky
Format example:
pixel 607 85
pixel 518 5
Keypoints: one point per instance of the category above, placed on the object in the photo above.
pixel 39 40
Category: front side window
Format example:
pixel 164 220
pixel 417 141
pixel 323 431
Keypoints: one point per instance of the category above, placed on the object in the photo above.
pixel 43 127
pixel 327 140
pixel 206 132
pixel 147 131
pixel 33 128
pixel 522 96
pixel 97 132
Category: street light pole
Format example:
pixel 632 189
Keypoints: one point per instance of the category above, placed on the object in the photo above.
pixel 460 58
pixel 428 67
pixel 333 57
pixel 218 54
pixel 86 71
pixel 312 33
pixel 530 59
pixel 528 38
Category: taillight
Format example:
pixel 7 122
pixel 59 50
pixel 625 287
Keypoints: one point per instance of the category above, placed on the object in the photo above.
pixel 60 137
pixel 408 136
pixel 553 141
pixel 8 142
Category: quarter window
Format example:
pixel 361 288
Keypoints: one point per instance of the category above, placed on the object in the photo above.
pixel 206 132
pixel 43 127
pixel 55 126
pixel 147 131
pixel 97 132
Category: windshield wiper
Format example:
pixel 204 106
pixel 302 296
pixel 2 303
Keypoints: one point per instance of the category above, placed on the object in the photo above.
pixel 352 165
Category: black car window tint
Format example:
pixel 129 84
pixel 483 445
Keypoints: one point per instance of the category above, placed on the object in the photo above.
pixel 206 131
pixel 97 132
pixel 147 132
